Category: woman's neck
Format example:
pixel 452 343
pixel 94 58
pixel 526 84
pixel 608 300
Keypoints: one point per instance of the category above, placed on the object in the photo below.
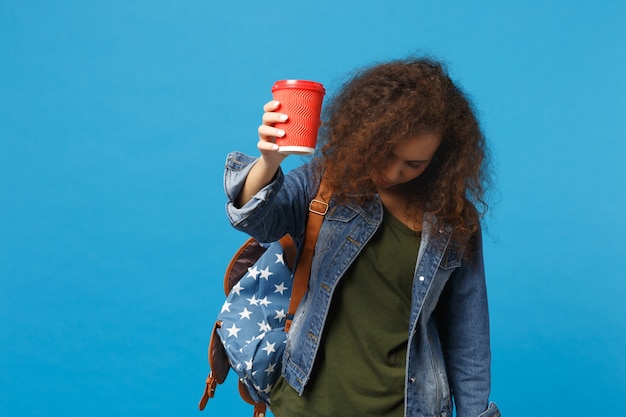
pixel 396 202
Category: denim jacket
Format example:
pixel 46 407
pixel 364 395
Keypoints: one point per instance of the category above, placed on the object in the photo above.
pixel 448 354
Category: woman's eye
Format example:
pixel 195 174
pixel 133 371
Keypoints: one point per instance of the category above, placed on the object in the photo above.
pixel 415 165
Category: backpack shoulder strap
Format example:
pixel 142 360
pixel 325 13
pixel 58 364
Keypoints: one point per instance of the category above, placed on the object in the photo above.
pixel 318 207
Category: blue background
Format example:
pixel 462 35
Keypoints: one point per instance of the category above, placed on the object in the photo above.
pixel 115 119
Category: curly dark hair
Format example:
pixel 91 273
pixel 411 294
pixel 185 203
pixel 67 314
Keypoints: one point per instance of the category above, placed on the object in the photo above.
pixel 386 104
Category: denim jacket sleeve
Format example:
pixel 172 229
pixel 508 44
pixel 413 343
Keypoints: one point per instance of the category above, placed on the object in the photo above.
pixel 465 335
pixel 279 208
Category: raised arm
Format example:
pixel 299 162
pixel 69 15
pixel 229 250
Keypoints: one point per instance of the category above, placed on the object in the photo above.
pixel 266 167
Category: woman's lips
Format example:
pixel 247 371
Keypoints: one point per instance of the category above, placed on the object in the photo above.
pixel 385 183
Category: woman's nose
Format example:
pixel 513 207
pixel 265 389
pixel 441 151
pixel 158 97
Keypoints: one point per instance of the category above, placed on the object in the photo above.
pixel 393 171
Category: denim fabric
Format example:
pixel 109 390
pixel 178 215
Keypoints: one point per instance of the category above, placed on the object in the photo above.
pixel 448 353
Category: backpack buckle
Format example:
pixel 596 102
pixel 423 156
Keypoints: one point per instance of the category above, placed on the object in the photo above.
pixel 318 207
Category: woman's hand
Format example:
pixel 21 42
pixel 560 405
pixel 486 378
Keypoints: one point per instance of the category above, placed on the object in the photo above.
pixel 268 134
pixel 266 167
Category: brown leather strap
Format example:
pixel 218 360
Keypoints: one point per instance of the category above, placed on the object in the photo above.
pixel 209 391
pixel 317 210
pixel 259 410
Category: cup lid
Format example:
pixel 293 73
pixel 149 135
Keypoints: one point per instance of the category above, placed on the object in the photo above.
pixel 309 85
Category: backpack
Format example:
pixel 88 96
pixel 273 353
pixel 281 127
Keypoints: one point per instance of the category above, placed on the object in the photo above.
pixel 263 294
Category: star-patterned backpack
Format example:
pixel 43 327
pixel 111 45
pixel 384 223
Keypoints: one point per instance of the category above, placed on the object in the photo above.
pixel 263 294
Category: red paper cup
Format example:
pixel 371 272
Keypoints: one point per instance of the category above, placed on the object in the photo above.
pixel 302 101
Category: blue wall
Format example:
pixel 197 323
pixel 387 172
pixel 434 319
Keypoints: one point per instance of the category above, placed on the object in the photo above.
pixel 116 116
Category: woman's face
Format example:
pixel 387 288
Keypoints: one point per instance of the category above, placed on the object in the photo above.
pixel 408 160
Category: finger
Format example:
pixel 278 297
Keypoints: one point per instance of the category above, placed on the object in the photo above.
pixel 273 117
pixel 267 146
pixel 270 133
pixel 271 105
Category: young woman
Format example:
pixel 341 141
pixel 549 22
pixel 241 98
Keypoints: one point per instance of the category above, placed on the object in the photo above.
pixel 395 320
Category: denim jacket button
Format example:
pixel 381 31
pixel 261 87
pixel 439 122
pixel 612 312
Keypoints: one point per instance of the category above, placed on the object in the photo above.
pixel 412 380
pixel 421 278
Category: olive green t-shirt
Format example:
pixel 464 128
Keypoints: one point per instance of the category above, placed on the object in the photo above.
pixel 361 364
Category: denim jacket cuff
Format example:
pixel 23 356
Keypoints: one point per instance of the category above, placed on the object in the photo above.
pixel 492 411
pixel 238 166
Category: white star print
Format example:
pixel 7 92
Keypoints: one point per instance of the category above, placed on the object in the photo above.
pixel 269 347
pixel 248 365
pixel 265 302
pixel 233 331
pixel 245 314
pixel 280 315
pixel 280 259
pixel 253 272
pixel 280 288
pixel 264 327
pixel 270 369
pixel 226 307
pixel 265 274
pixel 253 301
pixel 237 288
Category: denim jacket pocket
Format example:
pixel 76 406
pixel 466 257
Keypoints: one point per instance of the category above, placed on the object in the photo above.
pixel 452 258
pixel 335 220
pixel 341 213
